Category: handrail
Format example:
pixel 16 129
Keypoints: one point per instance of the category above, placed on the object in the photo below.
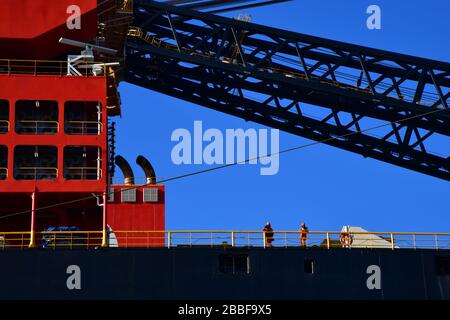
pixel 233 238
pixel 35 171
pixel 39 168
pixel 249 231
pixel 152 40
pixel 139 33
pixel 288 232
pixel 47 67
pixel 4 124
pixel 49 127
pixel 83 122
pixel 84 127
pixel 84 172
pixel 37 121
pixel 3 172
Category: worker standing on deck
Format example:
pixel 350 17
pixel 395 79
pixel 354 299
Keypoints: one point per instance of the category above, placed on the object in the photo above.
pixel 268 234
pixel 343 237
pixel 303 234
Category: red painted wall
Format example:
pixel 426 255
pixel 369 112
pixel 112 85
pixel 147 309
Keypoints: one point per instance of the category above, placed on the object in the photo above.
pixel 60 89
pixel 30 29
pixel 138 216
pixel 85 214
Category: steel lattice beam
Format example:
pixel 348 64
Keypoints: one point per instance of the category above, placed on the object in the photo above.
pixel 267 75
pixel 218 6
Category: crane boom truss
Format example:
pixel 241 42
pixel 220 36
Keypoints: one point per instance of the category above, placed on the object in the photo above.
pixel 316 88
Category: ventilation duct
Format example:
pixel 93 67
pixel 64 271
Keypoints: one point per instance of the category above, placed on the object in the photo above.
pixel 126 170
pixel 150 174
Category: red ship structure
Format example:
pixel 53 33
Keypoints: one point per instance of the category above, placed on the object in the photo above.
pixel 60 65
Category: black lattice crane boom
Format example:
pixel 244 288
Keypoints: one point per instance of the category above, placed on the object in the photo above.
pixel 320 89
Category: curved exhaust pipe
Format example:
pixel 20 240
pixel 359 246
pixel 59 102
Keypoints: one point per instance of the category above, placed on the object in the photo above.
pixel 150 174
pixel 126 170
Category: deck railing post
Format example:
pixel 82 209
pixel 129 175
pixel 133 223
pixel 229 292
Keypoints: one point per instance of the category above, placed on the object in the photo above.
pixel 436 240
pixel 104 223
pixel 169 235
pixel 328 240
pixel 232 238
pixel 33 221
pixel 414 240
pixel 264 239
pixel 392 241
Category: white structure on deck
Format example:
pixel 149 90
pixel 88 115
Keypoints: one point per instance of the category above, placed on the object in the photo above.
pixel 366 240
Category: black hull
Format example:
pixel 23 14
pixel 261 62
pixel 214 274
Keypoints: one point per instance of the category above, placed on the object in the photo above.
pixel 194 273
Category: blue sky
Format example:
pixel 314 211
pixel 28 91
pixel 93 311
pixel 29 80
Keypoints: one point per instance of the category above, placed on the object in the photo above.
pixel 321 185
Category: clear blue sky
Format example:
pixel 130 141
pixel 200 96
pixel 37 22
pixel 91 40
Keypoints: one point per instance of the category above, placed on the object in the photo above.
pixel 321 185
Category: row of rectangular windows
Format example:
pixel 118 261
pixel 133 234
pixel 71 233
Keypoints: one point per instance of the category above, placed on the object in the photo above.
pixel 240 264
pixel 130 195
pixel 41 163
pixel 41 117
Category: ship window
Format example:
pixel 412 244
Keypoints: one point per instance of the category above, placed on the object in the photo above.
pixel 129 195
pixel 234 263
pixel 151 195
pixel 3 162
pixel 82 163
pixel 308 266
pixel 36 117
pixel 442 265
pixel 4 116
pixel 82 117
pixel 35 162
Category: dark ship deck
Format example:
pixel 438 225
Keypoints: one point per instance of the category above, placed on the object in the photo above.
pixel 223 273
pixel 218 264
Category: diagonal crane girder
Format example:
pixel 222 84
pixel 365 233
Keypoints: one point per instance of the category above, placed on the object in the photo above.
pixel 266 75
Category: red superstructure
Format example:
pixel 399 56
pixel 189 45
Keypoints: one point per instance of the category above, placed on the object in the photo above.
pixel 139 208
pixel 30 29
pixel 54 141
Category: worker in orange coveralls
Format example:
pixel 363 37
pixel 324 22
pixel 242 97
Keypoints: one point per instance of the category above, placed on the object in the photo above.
pixel 268 234
pixel 303 234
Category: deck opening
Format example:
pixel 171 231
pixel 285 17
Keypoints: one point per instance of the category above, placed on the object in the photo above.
pixel 234 263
